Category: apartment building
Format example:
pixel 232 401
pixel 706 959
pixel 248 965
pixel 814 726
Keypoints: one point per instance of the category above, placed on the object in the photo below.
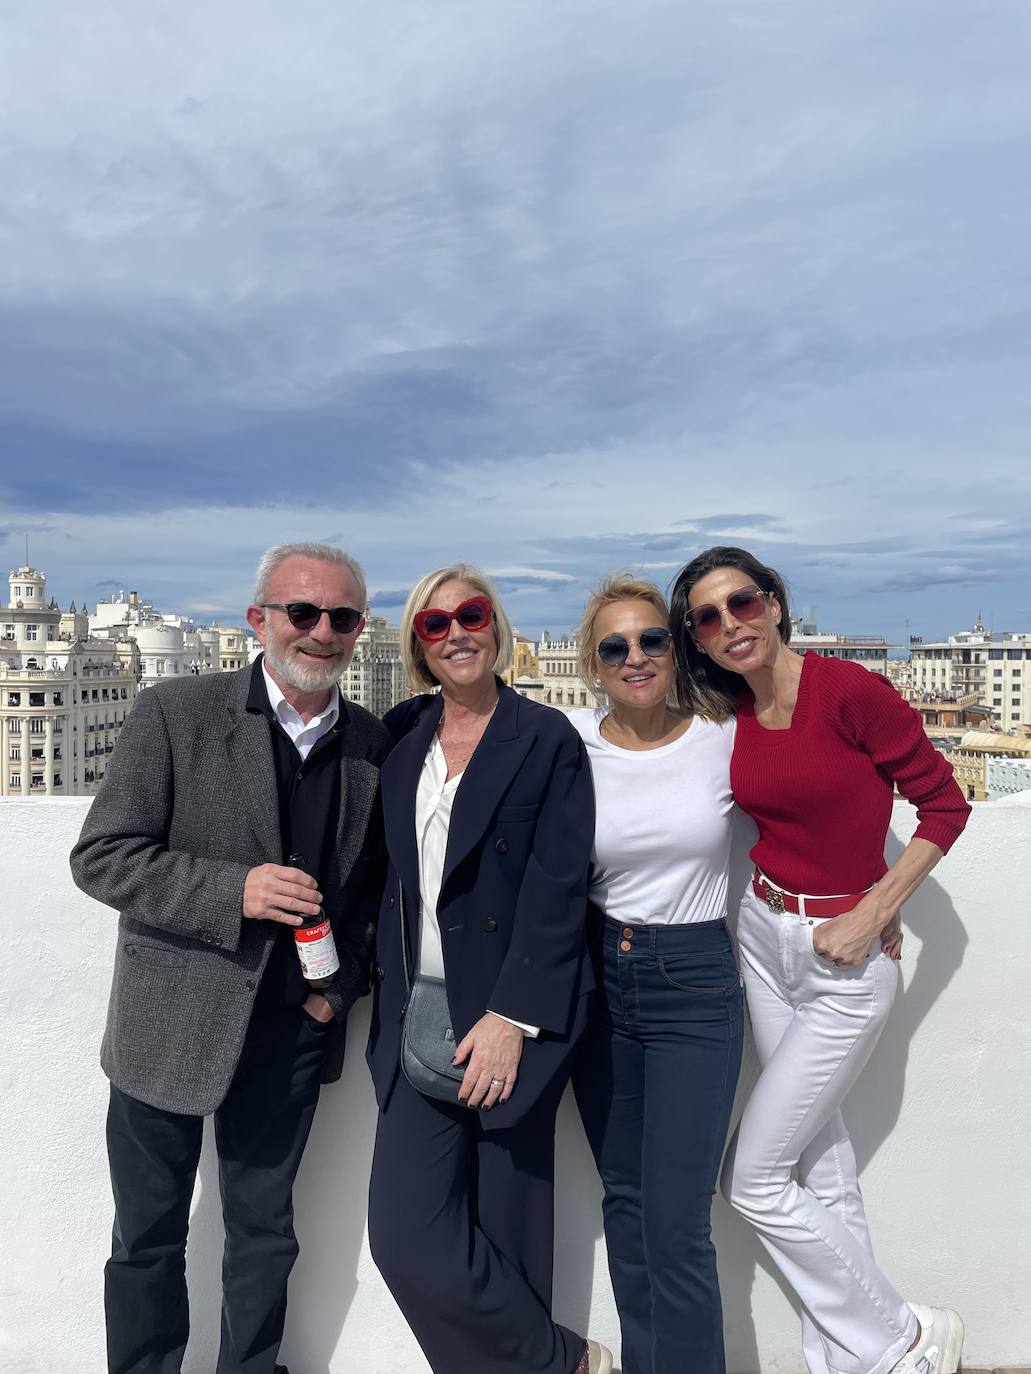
pixel 63 696
pixel 993 666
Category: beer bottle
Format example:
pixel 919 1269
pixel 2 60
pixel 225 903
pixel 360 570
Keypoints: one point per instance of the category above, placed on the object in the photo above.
pixel 313 940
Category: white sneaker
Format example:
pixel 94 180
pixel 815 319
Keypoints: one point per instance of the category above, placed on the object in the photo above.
pixel 941 1341
pixel 599 1360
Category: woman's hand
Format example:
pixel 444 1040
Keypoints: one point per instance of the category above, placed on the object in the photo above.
pixel 891 938
pixel 847 939
pixel 493 1048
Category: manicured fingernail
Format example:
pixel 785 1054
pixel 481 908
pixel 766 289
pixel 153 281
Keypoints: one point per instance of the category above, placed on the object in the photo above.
pixel 487 1107
pixel 463 1101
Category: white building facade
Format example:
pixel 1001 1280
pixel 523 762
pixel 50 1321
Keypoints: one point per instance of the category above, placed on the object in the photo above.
pixel 562 686
pixel 375 677
pixel 171 645
pixel 993 665
pixel 63 697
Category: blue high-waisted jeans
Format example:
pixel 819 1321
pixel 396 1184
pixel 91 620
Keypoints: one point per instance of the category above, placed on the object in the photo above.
pixel 654 1078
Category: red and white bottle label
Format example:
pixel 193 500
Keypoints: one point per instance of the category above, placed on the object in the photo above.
pixel 317 950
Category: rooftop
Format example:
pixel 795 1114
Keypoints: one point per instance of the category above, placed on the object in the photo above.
pixel 941 1122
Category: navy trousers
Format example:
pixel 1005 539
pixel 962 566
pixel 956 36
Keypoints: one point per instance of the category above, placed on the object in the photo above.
pixel 461 1226
pixel 654 1078
pixel 260 1132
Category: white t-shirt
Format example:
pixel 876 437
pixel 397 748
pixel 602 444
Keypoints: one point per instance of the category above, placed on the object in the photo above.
pixel 662 835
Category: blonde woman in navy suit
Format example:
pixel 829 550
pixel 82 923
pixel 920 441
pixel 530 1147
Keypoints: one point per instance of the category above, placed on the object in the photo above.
pixel 489 817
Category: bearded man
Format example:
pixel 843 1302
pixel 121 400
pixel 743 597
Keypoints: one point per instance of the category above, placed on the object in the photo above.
pixel 218 786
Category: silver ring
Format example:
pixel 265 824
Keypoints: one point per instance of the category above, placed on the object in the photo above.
pixel 498 1082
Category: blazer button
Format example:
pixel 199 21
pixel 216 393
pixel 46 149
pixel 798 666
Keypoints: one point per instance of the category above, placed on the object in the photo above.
pixel 379 972
pixel 391 899
pixel 250 985
pixel 490 924
pixel 501 846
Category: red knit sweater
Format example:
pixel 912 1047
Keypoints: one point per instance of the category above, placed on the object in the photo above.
pixel 820 791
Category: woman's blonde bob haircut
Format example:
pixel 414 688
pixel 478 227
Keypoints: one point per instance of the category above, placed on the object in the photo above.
pixel 617 586
pixel 420 598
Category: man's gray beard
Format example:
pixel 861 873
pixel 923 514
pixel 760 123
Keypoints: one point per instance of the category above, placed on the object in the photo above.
pixel 303 676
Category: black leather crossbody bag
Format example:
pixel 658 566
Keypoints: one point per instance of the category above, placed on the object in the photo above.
pixel 427 1040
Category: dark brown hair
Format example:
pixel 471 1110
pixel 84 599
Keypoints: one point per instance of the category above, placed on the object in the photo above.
pixel 703 686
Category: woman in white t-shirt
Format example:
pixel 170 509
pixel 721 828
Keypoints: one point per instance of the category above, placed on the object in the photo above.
pixel 656 1071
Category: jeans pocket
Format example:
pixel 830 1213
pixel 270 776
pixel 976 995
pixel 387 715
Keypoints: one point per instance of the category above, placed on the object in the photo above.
pixel 703 973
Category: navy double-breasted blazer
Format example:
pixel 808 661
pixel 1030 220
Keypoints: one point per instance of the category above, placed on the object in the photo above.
pixel 513 896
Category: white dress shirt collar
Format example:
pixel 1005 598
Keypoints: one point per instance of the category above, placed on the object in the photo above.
pixel 305 735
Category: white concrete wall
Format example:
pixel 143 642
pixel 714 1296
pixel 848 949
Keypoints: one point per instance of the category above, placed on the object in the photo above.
pixel 941 1121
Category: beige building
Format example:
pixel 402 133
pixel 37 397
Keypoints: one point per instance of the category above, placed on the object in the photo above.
pixel 975 751
pixel 993 666
pixel 63 696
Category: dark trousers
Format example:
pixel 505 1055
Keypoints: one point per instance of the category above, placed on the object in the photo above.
pixel 654 1079
pixel 260 1132
pixel 461 1226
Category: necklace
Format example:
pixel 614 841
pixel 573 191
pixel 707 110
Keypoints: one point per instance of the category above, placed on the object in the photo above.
pixel 463 747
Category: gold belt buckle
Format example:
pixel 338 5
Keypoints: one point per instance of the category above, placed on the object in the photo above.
pixel 775 901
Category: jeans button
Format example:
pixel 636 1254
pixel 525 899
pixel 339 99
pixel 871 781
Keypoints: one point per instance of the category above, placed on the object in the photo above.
pixel 625 945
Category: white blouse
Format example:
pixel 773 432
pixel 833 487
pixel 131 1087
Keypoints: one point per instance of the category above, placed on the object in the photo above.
pixel 434 802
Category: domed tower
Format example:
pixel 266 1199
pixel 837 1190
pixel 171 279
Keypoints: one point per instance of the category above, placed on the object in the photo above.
pixel 28 589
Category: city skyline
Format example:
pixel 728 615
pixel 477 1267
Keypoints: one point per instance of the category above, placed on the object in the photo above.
pixel 553 288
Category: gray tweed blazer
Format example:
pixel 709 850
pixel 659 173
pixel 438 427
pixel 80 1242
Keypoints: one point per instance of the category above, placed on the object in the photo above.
pixel 187 807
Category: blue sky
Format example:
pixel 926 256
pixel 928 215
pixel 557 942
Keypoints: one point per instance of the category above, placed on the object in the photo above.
pixel 551 286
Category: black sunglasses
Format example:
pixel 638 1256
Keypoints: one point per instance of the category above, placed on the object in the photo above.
pixel 614 649
pixel 304 616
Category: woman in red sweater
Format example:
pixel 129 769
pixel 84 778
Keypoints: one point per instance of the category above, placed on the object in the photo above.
pixel 820 744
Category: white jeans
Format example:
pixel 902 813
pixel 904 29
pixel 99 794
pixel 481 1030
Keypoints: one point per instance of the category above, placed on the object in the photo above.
pixel 790 1168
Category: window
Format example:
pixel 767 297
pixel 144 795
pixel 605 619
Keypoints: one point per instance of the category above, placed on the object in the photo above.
pixel 16 591
pixel 16 780
pixel 37 699
pixel 51 634
pixel 94 695
pixel 997 672
pixel 57 780
pixel 58 699
pixel 1013 654
pixel 1015 672
pixel 37 754
pixel 30 591
pixel 8 632
pixel 57 753
pixel 38 781
pixel 995 654
pixel 16 753
pixel 14 698
pixel 159 668
pixel 31 631
pixel 36 725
